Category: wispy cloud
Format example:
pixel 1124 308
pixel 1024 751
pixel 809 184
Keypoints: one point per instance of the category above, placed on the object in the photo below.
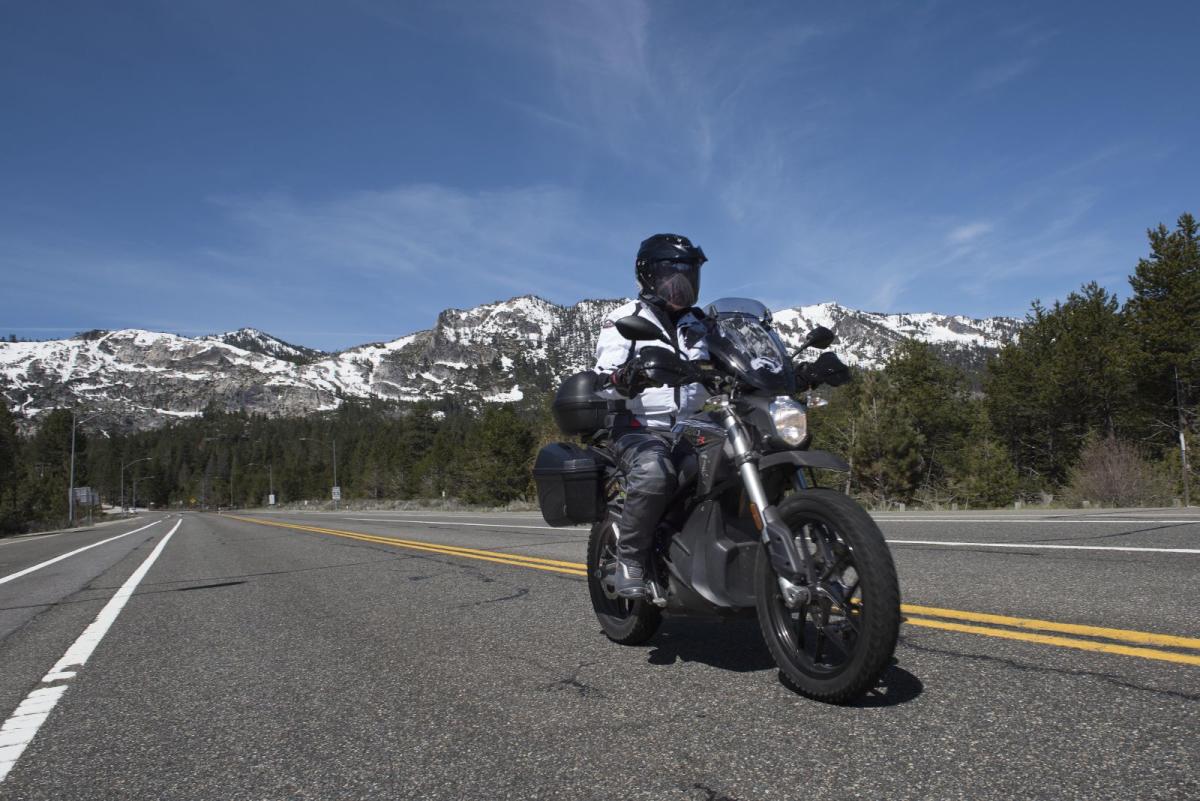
pixel 965 234
pixel 997 75
pixel 517 240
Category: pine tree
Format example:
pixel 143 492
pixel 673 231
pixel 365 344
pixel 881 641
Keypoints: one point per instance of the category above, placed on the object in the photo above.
pixel 42 494
pixel 1069 373
pixel 986 477
pixel 9 470
pixel 497 457
pixel 934 394
pixel 887 450
pixel 1164 314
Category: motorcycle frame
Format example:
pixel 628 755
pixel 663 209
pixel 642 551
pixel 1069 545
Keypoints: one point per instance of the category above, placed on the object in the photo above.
pixel 710 559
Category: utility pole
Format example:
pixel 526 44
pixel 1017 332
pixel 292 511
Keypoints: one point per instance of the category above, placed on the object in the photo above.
pixel 1183 454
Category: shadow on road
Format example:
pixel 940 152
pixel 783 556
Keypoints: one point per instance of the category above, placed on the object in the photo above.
pixel 737 645
pixel 895 686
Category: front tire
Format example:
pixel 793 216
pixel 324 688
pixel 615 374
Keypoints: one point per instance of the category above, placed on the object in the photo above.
pixel 828 651
pixel 623 621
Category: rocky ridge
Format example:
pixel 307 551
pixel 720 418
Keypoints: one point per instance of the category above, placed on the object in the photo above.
pixel 504 351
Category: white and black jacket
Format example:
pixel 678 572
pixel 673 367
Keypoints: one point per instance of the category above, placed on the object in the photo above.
pixel 656 407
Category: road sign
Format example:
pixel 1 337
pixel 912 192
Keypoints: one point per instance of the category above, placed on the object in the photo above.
pixel 337 493
pixel 271 499
pixel 86 496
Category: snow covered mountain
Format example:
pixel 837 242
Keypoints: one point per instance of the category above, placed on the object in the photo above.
pixel 256 341
pixel 504 351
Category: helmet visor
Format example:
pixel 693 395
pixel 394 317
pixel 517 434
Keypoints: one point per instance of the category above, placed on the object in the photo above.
pixel 676 282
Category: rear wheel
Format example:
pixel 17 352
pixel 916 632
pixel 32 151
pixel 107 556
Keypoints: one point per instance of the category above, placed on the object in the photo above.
pixel 834 642
pixel 624 621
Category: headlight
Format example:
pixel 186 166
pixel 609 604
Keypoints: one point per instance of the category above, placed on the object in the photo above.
pixel 791 420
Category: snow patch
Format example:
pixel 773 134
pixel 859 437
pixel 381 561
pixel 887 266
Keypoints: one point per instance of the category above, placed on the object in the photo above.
pixel 514 394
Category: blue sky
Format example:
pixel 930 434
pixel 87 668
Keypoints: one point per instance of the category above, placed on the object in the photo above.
pixel 336 173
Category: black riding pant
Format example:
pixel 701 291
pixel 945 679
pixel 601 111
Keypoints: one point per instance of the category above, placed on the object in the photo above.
pixel 644 459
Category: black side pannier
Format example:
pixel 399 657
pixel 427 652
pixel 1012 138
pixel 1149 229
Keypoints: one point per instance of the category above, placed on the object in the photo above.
pixel 570 484
pixel 577 409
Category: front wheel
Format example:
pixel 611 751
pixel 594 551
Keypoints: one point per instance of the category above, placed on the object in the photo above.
pixel 835 639
pixel 624 621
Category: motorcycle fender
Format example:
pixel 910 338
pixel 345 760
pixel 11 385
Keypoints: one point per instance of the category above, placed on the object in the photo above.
pixel 822 460
pixel 715 560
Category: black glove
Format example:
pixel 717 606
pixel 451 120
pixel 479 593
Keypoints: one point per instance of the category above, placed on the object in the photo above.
pixel 628 379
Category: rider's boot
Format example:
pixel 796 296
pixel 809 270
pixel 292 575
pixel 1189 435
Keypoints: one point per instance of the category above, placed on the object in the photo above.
pixel 629 580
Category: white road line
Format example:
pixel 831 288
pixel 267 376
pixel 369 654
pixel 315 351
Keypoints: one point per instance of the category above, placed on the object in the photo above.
pixel 21 727
pixel 49 562
pixel 952 544
pixel 1035 545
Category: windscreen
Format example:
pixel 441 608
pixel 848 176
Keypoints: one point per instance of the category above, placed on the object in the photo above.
pixel 746 306
pixel 741 340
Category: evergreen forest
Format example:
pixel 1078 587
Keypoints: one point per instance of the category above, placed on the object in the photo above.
pixel 1090 405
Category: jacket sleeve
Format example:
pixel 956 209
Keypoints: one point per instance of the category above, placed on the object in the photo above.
pixel 693 340
pixel 612 349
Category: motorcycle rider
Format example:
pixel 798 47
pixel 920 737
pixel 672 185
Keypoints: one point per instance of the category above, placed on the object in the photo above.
pixel 667 268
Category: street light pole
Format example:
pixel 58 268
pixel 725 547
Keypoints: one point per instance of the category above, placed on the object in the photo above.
pixel 232 461
pixel 1183 454
pixel 333 440
pixel 270 476
pixel 71 489
pixel 123 466
pixel 135 481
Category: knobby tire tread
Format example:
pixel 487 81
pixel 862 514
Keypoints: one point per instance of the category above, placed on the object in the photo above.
pixel 874 564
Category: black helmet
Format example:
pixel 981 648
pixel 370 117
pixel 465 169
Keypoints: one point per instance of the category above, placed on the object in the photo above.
pixel 668 268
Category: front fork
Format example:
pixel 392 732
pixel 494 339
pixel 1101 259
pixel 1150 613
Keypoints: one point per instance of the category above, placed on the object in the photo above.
pixel 793 565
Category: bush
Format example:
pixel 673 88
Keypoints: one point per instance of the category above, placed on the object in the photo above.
pixel 1112 472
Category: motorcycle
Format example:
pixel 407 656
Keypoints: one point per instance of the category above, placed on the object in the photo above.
pixel 749 531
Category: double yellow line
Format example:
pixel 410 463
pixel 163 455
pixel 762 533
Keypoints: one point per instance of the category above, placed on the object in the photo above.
pixel 499 557
pixel 1103 640
pixel 1186 650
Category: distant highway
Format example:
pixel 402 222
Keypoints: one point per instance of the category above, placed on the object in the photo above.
pixel 432 655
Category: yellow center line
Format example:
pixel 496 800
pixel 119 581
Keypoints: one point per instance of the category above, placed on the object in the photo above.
pixel 1144 637
pixel 925 613
pixel 553 565
pixel 1065 642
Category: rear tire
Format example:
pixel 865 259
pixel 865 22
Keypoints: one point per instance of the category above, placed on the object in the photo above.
pixel 825 652
pixel 623 621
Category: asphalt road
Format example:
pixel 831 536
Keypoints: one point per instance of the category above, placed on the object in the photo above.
pixel 210 657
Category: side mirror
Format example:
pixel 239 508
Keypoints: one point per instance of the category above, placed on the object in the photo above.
pixel 639 329
pixel 819 338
